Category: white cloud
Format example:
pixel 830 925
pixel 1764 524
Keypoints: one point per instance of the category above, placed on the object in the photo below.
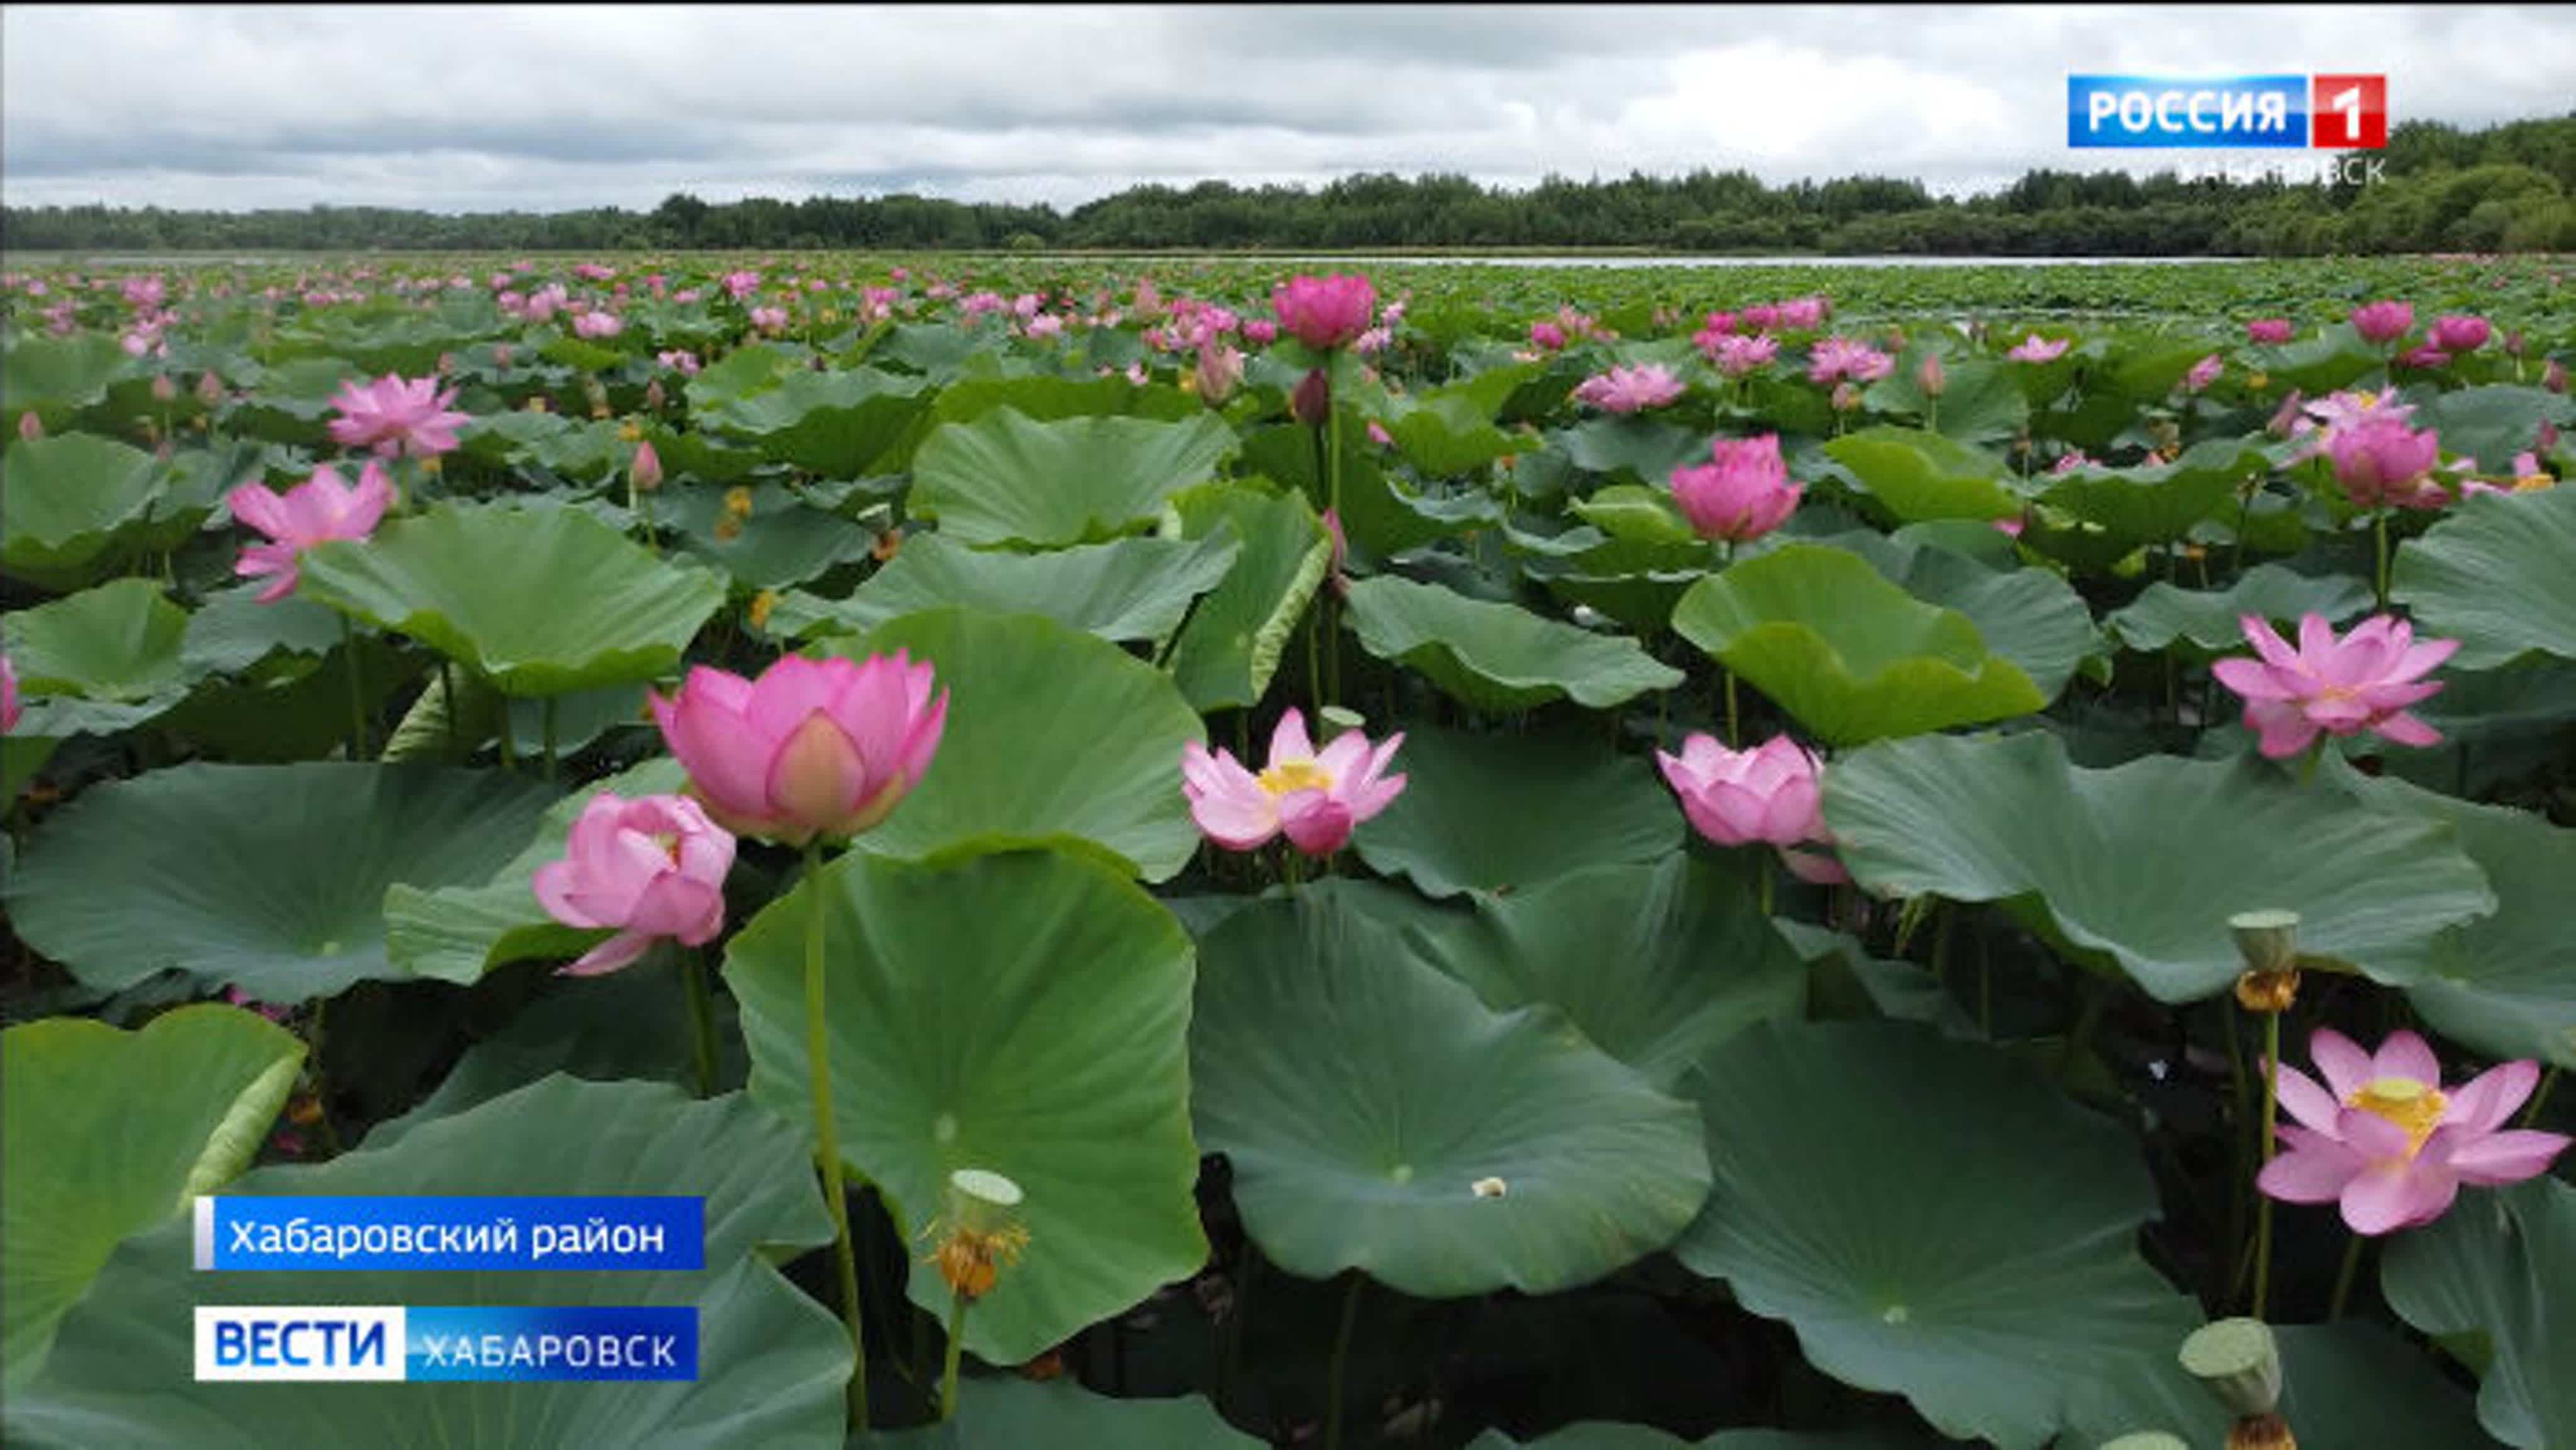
pixel 550 107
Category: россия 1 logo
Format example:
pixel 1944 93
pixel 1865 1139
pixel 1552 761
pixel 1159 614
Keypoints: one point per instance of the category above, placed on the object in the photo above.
pixel 2321 112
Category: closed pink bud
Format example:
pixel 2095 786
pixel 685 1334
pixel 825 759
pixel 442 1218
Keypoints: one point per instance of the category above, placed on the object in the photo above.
pixel 1745 493
pixel 2383 321
pixel 646 470
pixel 1929 375
pixel 811 749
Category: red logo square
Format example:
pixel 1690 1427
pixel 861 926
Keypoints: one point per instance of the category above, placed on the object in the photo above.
pixel 2347 113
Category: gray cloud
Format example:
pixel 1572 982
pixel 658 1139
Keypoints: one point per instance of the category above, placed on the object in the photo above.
pixel 463 108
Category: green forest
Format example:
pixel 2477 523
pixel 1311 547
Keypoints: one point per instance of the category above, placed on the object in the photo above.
pixel 2441 188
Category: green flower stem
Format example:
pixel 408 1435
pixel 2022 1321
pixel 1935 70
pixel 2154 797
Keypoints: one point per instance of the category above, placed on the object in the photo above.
pixel 948 1370
pixel 447 703
pixel 1333 490
pixel 1342 1361
pixel 1734 729
pixel 2262 1201
pixel 827 1150
pixel 546 711
pixel 702 1019
pixel 2344 1276
pixel 321 1083
pixel 357 691
pixel 2548 1080
pixel 2380 528
pixel 1764 867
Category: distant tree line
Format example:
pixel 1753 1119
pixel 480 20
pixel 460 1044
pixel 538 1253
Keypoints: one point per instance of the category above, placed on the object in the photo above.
pixel 2510 187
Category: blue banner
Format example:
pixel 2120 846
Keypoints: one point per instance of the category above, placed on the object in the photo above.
pixel 271 1343
pixel 451 1232
pixel 2156 111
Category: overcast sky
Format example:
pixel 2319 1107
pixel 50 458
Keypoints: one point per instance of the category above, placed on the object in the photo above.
pixel 474 108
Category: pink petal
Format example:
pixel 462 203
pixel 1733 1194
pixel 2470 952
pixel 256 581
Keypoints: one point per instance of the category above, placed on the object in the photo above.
pixel 2345 1065
pixel 2406 1055
pixel 618 951
pixel 2406 729
pixel 2483 1103
pixel 2249 678
pixel 2389 1196
pixel 1314 822
pixel 553 884
pixel 2507 1157
pixel 2307 1102
pixel 816 780
pixel 2371 1135
pixel 2309 1175
pixel 1288 741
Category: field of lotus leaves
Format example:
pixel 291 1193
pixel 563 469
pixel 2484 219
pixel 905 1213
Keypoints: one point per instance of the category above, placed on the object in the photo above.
pixel 1322 854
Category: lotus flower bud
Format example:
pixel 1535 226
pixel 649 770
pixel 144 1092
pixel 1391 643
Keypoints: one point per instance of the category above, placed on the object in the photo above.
pixel 30 427
pixel 654 397
pixel 164 390
pixel 646 471
pixel 210 388
pixel 1846 397
pixel 1929 375
pixel 1312 402
pixel 2554 376
pixel 1219 368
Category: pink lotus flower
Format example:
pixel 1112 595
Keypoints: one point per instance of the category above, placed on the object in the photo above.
pixel 1841 357
pixel 1315 798
pixel 2423 355
pixel 8 696
pixel 2363 681
pixel 2383 1140
pixel 30 427
pixel 597 324
pixel 1744 494
pixel 2459 333
pixel 1547 335
pixel 2203 373
pixel 1803 313
pixel 2273 330
pixel 2037 349
pixel 769 319
pixel 1629 390
pixel 322 507
pixel 2383 321
pixel 395 414
pixel 2381 462
pixel 651 868
pixel 813 748
pixel 1769 795
pixel 1324 312
pixel 1736 355
pixel 1219 369
pixel 645 471
pixel 680 358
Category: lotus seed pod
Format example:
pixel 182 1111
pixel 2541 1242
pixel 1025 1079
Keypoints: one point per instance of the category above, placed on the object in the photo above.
pixel 2238 1361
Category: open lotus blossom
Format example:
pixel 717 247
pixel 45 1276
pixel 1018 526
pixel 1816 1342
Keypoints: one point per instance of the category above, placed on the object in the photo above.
pixel 2363 681
pixel 8 696
pixel 1314 797
pixel 2203 373
pixel 651 868
pixel 2460 333
pixel 1324 312
pixel 1630 389
pixel 2381 462
pixel 1842 358
pixel 322 507
pixel 394 414
pixel 2268 329
pixel 1769 795
pixel 2037 349
pixel 2526 476
pixel 2382 1139
pixel 1735 354
pixel 812 749
pixel 2323 419
pixel 2383 321
pixel 1744 494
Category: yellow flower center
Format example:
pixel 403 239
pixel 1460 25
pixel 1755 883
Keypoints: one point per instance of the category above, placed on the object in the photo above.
pixel 1290 775
pixel 2403 1101
pixel 2532 482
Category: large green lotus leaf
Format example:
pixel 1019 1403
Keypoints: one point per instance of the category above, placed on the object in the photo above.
pixel 835 424
pixel 538 601
pixel 1643 601
pixel 1655 964
pixel 1848 652
pixel 1233 640
pixel 456 933
pixel 1461 822
pixel 110 1133
pixel 1051 733
pixel 1361 1095
pixel 771 1360
pixel 1498 657
pixel 2494 575
pixel 270 878
pixel 2207 618
pixel 1638 448
pixel 2345 1383
pixel 2492 424
pixel 2335 358
pixel 233 631
pixel 2092 517
pixel 110 656
pixel 1008 479
pixel 1980 401
pixel 73 500
pixel 1006 1412
pixel 1121 590
pixel 1641 515
pixel 1874 1188
pixel 2146 861
pixel 2501 1263
pixel 1381 517
pixel 56 377
pixel 1449 430
pixel 785 539
pixel 1024 1013
pixel 1916 475
pixel 2504 984
pixel 2031 617
pixel 1051 398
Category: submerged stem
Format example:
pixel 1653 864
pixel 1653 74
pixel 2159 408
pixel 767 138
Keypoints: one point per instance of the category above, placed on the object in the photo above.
pixel 702 1020
pixel 1342 1361
pixel 357 691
